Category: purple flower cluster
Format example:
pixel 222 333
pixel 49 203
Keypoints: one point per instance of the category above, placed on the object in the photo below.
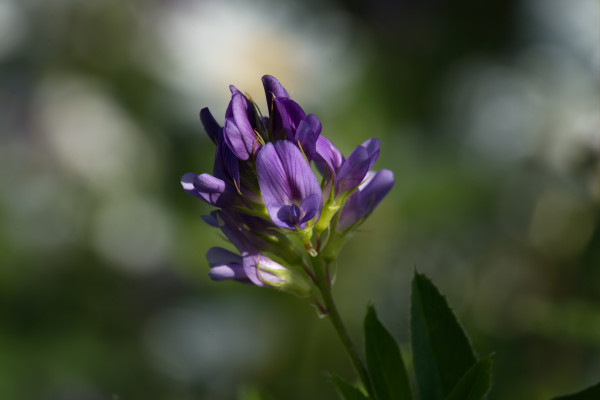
pixel 272 205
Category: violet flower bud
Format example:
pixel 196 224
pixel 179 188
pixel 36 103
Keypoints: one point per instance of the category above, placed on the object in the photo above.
pixel 239 128
pixel 255 269
pixel 262 271
pixel 364 200
pixel 273 90
pixel 226 265
pixel 355 168
pixel 212 190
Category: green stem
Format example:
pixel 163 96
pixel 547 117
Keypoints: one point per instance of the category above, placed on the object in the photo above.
pixel 324 285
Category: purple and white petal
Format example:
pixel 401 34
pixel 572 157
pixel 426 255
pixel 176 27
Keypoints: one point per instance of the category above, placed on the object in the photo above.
pixel 355 168
pixel 219 256
pixel 376 189
pixel 362 202
pixel 257 267
pixel 226 265
pixel 234 272
pixel 187 181
pixel 213 190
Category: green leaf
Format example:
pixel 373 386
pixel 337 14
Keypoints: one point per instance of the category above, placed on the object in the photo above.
pixel 441 351
pixel 346 390
pixel 384 361
pixel 475 382
pixel 591 393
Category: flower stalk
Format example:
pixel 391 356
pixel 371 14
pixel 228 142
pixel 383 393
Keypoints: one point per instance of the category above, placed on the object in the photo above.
pixel 323 282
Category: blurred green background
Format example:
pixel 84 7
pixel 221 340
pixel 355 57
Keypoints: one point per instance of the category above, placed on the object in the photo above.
pixel 487 114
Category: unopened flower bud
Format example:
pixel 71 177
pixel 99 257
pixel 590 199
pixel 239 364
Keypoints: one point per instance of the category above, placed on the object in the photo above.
pixel 263 271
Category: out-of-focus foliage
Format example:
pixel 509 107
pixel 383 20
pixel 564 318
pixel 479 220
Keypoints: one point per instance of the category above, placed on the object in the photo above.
pixel 487 113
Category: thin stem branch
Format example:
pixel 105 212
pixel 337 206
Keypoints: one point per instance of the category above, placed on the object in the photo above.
pixel 333 313
pixel 309 273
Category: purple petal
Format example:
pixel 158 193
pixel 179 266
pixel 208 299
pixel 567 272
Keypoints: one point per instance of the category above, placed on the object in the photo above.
pixel 290 215
pixel 286 117
pixel 353 170
pixel 285 178
pixel 264 124
pixel 242 235
pixel 362 203
pixel 238 130
pixel 272 177
pixel 187 181
pixel 273 89
pixel 231 225
pixel 211 126
pixel 307 135
pixel 226 265
pixel 375 190
pixel 226 165
pixel 309 207
pixel 234 272
pixel 259 276
pixel 211 219
pixel 259 225
pixel 219 256
pixel 372 145
pixel 350 213
pixel 328 157
pixel 213 190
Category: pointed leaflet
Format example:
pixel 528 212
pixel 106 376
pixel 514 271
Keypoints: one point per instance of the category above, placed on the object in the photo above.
pixel 475 383
pixel 384 361
pixel 591 393
pixel 345 390
pixel 441 351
